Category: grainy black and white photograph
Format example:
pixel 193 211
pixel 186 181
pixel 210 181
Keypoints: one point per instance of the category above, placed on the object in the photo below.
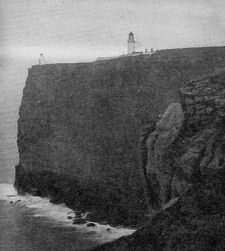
pixel 112 125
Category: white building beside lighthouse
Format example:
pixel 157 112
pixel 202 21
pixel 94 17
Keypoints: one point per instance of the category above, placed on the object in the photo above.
pixel 130 44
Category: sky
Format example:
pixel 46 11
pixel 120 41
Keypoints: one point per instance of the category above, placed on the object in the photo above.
pixel 76 30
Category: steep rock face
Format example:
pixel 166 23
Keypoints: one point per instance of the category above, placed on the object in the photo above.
pixel 197 220
pixel 177 152
pixel 80 124
pixel 158 168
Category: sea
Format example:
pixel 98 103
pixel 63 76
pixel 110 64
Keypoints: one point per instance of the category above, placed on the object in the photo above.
pixel 31 222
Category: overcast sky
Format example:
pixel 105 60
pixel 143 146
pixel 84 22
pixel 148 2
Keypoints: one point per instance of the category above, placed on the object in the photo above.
pixel 88 28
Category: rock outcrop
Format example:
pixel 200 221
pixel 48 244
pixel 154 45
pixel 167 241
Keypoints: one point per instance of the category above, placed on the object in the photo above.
pixel 79 127
pixel 175 149
pixel 158 169
pixel 191 161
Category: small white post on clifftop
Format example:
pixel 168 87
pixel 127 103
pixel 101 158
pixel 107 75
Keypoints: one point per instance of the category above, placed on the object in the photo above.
pixel 42 59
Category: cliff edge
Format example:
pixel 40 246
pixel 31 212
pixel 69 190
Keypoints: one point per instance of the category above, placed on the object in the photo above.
pixel 80 126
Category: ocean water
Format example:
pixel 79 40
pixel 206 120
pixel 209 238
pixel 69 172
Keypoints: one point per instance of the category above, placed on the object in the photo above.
pixel 31 222
pixel 12 81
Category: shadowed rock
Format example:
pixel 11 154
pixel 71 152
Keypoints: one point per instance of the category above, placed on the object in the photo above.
pixel 166 131
pixel 91 224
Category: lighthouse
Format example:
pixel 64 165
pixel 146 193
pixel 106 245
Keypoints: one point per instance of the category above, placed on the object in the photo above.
pixel 130 43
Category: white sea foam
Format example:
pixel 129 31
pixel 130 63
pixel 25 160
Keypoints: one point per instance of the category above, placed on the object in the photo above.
pixel 6 191
pixel 59 215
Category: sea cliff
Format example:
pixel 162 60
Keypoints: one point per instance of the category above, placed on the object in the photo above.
pixel 192 175
pixel 80 129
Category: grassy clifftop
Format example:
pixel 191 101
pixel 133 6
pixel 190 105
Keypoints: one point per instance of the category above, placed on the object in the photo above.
pixel 80 124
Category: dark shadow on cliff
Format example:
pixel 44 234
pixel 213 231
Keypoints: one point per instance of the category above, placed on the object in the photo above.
pixel 108 206
pixel 195 222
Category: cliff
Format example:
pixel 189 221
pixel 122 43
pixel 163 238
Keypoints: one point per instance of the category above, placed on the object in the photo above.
pixel 80 125
pixel 187 158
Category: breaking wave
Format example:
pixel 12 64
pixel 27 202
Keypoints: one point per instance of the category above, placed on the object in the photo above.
pixel 41 207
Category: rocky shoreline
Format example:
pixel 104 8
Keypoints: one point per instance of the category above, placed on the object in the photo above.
pixel 75 197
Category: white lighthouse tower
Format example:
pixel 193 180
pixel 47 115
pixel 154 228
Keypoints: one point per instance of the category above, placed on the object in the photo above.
pixel 130 43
